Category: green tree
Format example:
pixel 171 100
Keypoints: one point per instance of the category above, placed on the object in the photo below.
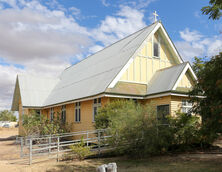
pixel 136 130
pixel 209 106
pixel 213 10
pixel 7 116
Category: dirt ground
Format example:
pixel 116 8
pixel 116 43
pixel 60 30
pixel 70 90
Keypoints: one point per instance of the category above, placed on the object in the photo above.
pixel 10 161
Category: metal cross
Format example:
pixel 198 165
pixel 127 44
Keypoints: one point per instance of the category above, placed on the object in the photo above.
pixel 155 16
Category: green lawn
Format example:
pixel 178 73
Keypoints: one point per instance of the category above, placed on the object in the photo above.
pixel 181 163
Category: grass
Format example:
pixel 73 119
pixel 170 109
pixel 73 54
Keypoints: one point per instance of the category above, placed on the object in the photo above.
pixel 182 163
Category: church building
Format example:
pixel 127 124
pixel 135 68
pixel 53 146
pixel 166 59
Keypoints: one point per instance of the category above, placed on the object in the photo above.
pixel 144 66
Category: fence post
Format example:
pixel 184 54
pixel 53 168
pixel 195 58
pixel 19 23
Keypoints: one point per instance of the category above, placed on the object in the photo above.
pixel 58 149
pixel 50 140
pixel 99 141
pixel 21 153
pixel 30 151
pixel 87 137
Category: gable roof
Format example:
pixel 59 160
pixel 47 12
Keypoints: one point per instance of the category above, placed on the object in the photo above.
pixel 94 74
pixel 90 77
pixel 167 79
pixel 33 90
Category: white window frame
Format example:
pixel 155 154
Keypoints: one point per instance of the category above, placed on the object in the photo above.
pixel 63 113
pixel 158 43
pixel 77 112
pixel 51 114
pixel 186 106
pixel 96 105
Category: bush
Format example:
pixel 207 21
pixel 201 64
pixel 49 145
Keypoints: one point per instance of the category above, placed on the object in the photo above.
pixel 186 130
pixel 6 115
pixel 136 130
pixel 80 151
pixel 34 124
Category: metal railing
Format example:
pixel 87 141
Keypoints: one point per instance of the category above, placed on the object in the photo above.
pixel 59 143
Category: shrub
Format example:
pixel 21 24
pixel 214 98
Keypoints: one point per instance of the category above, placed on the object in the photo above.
pixel 6 115
pixel 80 151
pixel 34 124
pixel 186 130
pixel 136 130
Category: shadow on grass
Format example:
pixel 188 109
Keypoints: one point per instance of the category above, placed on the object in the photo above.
pixel 161 163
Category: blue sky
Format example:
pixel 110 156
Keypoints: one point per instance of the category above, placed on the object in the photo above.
pixel 43 37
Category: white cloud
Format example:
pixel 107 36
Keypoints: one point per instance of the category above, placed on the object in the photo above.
pixel 38 38
pixel 75 11
pixel 195 44
pixel 105 3
pixel 7 81
pixel 95 48
pixel 113 28
pixel 136 4
pixel 190 36
pixel 35 32
pixel 45 41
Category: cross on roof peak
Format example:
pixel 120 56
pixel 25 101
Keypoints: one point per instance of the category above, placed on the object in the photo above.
pixel 155 16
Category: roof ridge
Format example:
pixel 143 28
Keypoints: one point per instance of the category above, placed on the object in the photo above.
pixel 111 45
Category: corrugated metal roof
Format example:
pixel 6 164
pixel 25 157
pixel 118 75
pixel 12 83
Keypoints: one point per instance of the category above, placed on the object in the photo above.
pixel 165 79
pixel 35 90
pixel 93 75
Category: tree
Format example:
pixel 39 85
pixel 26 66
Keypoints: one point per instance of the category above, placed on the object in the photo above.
pixel 214 10
pixel 7 116
pixel 136 130
pixel 209 87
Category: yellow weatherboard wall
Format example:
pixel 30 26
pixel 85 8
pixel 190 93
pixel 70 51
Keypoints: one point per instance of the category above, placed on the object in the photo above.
pixel 186 81
pixel 145 64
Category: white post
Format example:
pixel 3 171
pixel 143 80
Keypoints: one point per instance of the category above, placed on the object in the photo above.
pixel 99 141
pixel 30 151
pixel 50 140
pixel 87 136
pixel 58 149
pixel 21 153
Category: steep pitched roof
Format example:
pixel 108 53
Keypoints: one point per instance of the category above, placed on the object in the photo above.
pixel 94 74
pixel 87 78
pixel 165 79
pixel 33 90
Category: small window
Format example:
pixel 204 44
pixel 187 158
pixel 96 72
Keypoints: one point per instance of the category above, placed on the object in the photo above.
pixel 51 114
pixel 162 112
pixel 156 49
pixel 77 112
pixel 63 117
pixel 96 105
pixel 38 112
pixel 186 106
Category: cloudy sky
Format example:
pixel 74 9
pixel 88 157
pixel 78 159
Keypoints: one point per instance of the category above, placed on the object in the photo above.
pixel 42 37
